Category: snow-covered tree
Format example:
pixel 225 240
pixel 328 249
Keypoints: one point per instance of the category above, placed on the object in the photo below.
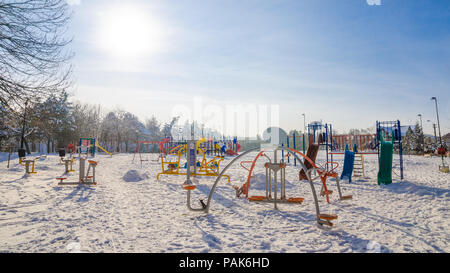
pixel 407 140
pixel 33 56
pixel 418 139
pixel 153 128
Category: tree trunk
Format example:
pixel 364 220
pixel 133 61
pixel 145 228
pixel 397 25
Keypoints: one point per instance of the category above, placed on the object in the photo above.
pixel 48 145
pixel 27 147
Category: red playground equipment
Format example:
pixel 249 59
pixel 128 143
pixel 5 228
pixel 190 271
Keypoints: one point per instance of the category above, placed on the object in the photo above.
pixel 323 174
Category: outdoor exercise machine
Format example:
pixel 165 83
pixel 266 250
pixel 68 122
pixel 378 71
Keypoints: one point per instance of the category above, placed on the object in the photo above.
pixel 66 161
pixel 203 167
pixel 323 173
pixel 321 218
pixel 27 162
pixel 271 178
pixel 84 177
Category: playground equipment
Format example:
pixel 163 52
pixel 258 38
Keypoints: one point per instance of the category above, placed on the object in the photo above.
pixel 66 161
pixel 84 177
pixel 27 162
pixel 353 160
pixel 442 152
pixel 311 153
pixel 386 130
pixel 358 166
pixel 87 147
pixel 103 149
pixel 295 139
pixel 275 167
pixel 328 170
pixel 271 171
pixel 223 147
pixel 363 144
pixel 356 148
pixel 272 167
pixel 137 150
pixel 170 167
pixel 209 146
pixel 203 167
pixel 349 161
pixel 385 161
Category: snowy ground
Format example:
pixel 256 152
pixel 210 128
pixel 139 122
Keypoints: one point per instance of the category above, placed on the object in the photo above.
pixel 129 211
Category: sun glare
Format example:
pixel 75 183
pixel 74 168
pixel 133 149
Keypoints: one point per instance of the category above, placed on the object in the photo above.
pixel 128 32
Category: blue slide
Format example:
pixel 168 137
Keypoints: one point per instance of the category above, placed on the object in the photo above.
pixel 349 159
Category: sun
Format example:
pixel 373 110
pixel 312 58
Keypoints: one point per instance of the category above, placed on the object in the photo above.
pixel 128 31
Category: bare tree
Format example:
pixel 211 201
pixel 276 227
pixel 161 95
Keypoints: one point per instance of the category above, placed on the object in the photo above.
pixel 33 55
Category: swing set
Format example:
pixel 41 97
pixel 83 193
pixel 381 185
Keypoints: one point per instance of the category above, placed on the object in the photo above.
pixel 137 150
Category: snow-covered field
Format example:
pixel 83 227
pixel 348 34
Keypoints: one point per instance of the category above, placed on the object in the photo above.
pixel 129 211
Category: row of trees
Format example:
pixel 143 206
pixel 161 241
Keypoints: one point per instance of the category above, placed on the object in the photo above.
pixel 56 122
pixel 415 142
pixel 34 68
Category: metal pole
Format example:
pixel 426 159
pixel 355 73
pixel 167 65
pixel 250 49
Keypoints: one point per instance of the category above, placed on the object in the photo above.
pixel 435 137
pixel 400 148
pixel 295 147
pixel 439 130
pixel 434 128
pixel 439 126
pixel 304 131
pixel 288 147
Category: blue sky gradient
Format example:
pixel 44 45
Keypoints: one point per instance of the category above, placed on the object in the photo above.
pixel 344 62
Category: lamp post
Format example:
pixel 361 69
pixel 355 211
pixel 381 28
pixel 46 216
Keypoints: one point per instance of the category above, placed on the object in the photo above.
pixel 437 115
pixel 444 168
pixel 434 128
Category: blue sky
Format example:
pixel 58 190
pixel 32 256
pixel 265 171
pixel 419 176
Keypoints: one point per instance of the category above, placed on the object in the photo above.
pixel 343 62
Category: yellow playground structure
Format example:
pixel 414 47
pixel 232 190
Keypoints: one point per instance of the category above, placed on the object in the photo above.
pixel 171 163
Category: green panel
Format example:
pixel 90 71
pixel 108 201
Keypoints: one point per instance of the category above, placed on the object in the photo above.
pixel 385 162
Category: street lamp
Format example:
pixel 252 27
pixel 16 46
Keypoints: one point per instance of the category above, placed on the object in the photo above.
pixel 420 116
pixel 437 114
pixel 304 122
pixel 444 168
pixel 434 128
